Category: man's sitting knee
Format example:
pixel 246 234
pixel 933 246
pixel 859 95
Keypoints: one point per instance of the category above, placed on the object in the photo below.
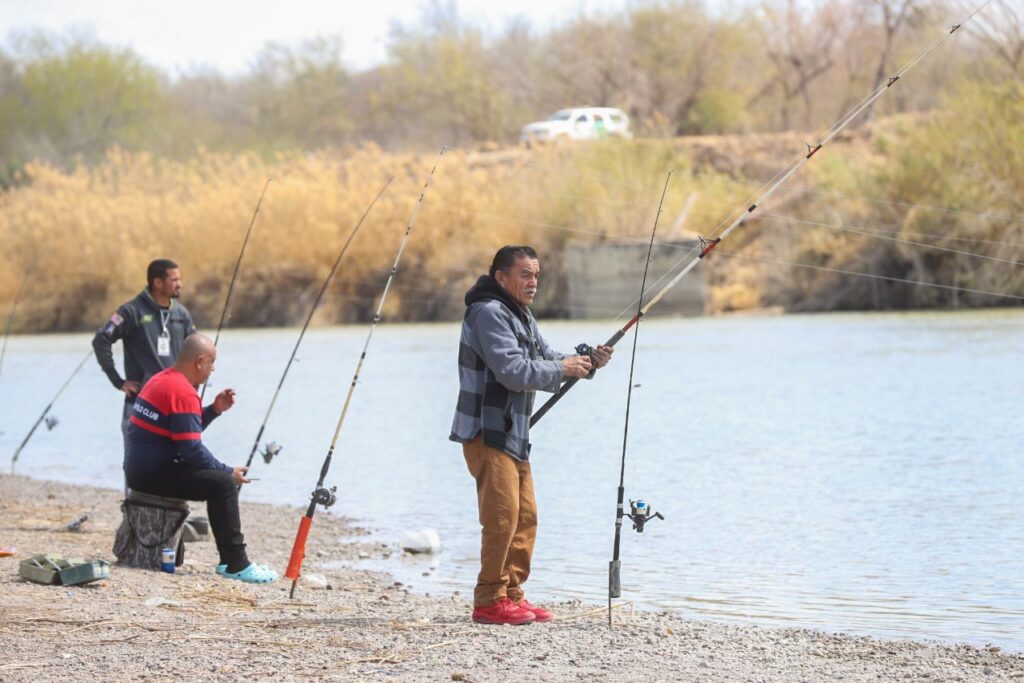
pixel 225 482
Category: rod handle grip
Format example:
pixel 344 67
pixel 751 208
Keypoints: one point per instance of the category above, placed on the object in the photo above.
pixel 299 549
pixel 614 581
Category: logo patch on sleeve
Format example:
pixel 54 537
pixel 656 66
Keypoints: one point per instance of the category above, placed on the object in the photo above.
pixel 116 319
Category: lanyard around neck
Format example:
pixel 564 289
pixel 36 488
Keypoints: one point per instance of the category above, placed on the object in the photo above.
pixel 165 316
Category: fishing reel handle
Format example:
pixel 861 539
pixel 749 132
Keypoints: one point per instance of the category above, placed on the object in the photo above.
pixel 641 513
pixel 587 350
pixel 640 520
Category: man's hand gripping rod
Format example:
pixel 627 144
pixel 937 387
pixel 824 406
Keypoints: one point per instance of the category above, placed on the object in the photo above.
pixel 583 350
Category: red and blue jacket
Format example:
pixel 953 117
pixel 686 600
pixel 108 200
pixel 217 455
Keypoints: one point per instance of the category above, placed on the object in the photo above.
pixel 166 427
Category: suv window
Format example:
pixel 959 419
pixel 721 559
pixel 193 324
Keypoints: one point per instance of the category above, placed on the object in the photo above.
pixel 583 118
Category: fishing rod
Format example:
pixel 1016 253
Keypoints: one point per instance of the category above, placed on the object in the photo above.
pixel 322 495
pixel 226 313
pixel 708 244
pixel 10 315
pixel 51 420
pixel 640 512
pixel 272 448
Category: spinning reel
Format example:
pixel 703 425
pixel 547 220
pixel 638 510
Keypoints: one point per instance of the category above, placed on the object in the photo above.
pixel 270 449
pixel 641 513
pixel 51 422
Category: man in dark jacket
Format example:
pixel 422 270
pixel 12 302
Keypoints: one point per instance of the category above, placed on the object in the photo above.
pixel 152 328
pixel 503 360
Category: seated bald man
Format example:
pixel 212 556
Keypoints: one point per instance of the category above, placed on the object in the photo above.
pixel 165 456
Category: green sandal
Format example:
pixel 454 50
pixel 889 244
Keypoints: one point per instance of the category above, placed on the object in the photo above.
pixel 254 573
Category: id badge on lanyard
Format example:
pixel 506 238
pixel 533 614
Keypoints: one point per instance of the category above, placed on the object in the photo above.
pixel 163 342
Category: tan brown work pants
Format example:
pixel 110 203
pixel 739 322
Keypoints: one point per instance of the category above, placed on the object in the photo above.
pixel 508 517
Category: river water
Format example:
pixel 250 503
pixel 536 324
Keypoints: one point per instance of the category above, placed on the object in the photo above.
pixel 855 473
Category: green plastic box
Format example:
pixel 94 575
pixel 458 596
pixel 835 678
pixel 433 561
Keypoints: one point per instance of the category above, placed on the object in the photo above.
pixel 55 570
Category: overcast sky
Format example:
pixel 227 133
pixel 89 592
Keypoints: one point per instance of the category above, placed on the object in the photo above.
pixel 226 34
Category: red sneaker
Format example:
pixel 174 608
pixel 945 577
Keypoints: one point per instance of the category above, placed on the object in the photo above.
pixel 503 612
pixel 539 613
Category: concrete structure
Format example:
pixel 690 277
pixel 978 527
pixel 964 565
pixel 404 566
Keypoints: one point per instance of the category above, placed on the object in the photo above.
pixel 603 278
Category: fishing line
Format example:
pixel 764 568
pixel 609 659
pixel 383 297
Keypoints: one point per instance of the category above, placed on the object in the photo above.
pixel 530 188
pixel 911 205
pixel 10 315
pixel 776 217
pixel 653 191
pixel 271 449
pixel 51 421
pixel 692 250
pixel 226 313
pixel 858 231
pixel 873 276
pixel 735 209
pixel 897 229
pixel 988 216
pixel 322 495
pixel 640 512
pixel 790 219
pixel 709 243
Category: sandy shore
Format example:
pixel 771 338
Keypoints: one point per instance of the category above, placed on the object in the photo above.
pixel 366 626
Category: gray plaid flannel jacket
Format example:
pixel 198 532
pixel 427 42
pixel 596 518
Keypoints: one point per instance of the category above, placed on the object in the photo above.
pixel 502 362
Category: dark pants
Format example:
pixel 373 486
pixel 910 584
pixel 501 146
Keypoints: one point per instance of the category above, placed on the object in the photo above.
pixel 126 414
pixel 219 491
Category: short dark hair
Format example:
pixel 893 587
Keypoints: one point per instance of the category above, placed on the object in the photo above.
pixel 157 270
pixel 507 256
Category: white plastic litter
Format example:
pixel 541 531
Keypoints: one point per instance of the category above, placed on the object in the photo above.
pixel 161 602
pixel 313 581
pixel 423 541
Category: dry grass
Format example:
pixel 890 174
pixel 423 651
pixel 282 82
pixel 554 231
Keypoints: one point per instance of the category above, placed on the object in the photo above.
pixel 90 232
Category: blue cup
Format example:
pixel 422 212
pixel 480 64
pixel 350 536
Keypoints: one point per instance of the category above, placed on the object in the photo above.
pixel 167 560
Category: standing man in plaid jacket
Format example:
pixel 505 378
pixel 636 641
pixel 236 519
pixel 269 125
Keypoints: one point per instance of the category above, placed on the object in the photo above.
pixel 503 361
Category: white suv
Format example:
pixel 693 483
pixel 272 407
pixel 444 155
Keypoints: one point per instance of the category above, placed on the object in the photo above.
pixel 581 123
